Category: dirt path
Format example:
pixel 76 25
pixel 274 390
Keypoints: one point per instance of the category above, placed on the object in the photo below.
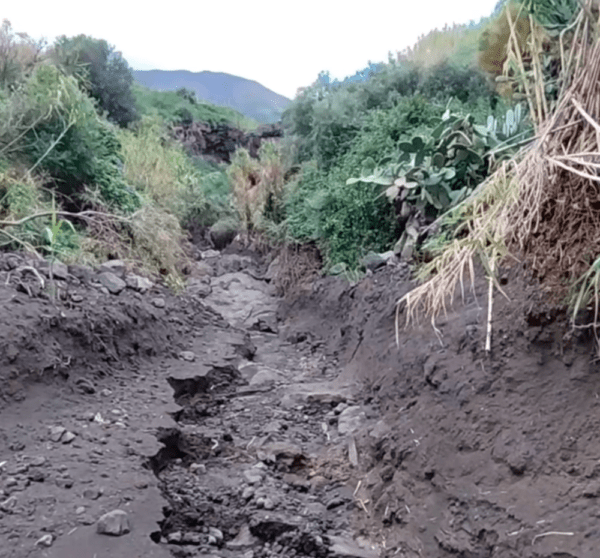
pixel 237 443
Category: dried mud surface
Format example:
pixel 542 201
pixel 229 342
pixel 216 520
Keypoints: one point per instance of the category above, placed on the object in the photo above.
pixel 228 422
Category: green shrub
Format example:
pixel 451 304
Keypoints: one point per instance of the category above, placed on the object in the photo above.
pixel 102 72
pixel 52 126
pixel 346 221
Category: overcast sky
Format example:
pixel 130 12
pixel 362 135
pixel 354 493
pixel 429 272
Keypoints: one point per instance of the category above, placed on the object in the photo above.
pixel 279 44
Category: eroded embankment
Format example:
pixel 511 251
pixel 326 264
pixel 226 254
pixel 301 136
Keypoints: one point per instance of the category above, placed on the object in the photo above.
pixel 475 455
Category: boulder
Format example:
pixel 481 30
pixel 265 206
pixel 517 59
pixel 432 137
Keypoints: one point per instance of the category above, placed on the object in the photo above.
pixel 114 523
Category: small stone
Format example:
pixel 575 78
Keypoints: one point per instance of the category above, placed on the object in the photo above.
pixel 59 270
pixel 46 540
pixel 139 284
pixel 269 504
pixel 198 468
pixel 36 476
pixel 65 482
pixel 158 302
pixel 17 469
pixel 248 493
pixel 92 493
pixel 188 356
pixel 68 437
pixel 9 504
pixel 216 533
pixel 56 433
pixel 115 523
pixel 116 267
pixel 191 538
pixel 260 502
pixel 80 510
pixel 85 386
pixel 335 503
pixel 37 461
pixel 174 537
pixel 253 476
pixel 105 393
pixel 111 282
pixel 76 298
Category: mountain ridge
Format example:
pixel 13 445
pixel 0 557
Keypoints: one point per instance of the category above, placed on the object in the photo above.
pixel 249 97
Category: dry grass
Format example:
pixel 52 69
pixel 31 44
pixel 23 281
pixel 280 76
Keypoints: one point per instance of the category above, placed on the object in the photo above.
pixel 544 206
pixel 258 184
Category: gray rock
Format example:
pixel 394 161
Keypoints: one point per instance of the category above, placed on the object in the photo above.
pixel 139 284
pixel 243 539
pixel 9 504
pixel 216 533
pixel 232 263
pixel 350 419
pixel 210 254
pixel 46 540
pixel 92 493
pixel 203 269
pixel 111 282
pixel 114 523
pixel 253 476
pixel 59 270
pixel 158 302
pixel 56 433
pixel 191 538
pixel 269 504
pixel 373 261
pixel 67 437
pixel 188 356
pixel 114 266
pixel 248 493
pixel 174 537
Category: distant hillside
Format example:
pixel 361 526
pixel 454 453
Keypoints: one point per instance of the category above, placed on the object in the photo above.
pixel 248 97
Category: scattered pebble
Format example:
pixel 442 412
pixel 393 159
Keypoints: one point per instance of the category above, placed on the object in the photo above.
pixel 189 356
pixel 46 540
pixel 158 302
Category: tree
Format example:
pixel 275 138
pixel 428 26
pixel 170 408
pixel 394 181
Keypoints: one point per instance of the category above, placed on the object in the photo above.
pixel 102 72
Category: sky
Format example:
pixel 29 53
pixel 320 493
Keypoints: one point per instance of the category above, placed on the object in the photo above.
pixel 282 45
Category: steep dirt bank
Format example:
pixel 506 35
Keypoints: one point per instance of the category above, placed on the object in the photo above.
pixel 471 455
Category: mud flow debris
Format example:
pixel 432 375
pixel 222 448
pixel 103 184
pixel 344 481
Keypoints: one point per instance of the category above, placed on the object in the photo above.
pixel 228 422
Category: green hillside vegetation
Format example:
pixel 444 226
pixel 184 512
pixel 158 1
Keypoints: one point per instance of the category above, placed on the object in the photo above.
pixel 248 97
pixel 181 106
pixel 86 173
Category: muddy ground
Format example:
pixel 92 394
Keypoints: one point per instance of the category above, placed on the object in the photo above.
pixel 227 421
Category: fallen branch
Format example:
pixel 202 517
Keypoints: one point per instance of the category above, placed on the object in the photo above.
pixel 558 533
pixel 81 215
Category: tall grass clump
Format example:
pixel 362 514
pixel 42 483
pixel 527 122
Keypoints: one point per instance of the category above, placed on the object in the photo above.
pixel 541 207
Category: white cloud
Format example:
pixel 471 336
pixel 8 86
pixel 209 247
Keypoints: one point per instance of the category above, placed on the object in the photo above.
pixel 281 45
